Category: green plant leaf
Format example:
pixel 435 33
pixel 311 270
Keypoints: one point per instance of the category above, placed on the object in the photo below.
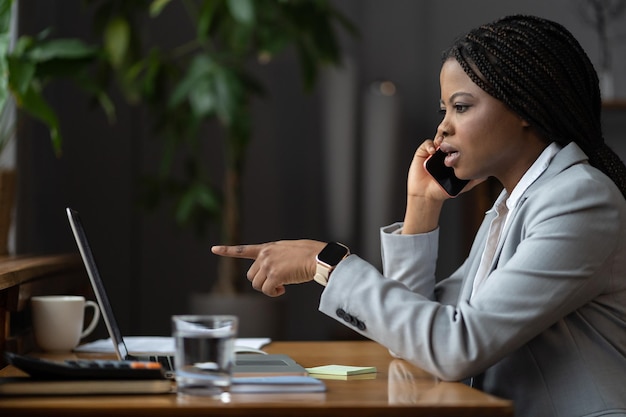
pixel 157 6
pixel 116 38
pixel 197 197
pixel 21 45
pixel 61 48
pixel 273 40
pixel 107 105
pixel 34 104
pixel 207 198
pixel 21 73
pixel 202 98
pixel 205 17
pixel 4 70
pixel 60 68
pixel 242 11
pixel 5 15
pixel 152 65
pixel 240 39
pixel 198 67
pixel 229 95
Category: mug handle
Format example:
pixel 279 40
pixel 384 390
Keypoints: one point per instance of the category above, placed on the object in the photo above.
pixel 94 319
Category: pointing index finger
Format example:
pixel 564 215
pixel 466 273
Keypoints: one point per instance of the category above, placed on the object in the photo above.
pixel 238 251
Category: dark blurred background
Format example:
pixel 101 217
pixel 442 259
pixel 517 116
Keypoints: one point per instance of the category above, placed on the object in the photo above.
pixel 293 188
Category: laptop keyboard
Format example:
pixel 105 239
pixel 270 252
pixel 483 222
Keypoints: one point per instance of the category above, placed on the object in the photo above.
pixel 166 361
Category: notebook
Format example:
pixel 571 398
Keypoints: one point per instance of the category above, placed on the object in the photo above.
pixel 246 364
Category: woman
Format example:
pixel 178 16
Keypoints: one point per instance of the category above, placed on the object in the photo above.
pixel 537 312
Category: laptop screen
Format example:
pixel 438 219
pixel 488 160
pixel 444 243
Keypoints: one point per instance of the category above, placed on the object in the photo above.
pixel 246 364
pixel 98 286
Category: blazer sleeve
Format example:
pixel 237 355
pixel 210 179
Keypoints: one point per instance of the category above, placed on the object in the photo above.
pixel 411 260
pixel 545 272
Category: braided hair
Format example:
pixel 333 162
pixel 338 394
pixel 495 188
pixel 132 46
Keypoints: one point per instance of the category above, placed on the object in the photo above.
pixel 539 70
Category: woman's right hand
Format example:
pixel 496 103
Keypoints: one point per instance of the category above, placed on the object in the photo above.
pixel 425 196
pixel 419 182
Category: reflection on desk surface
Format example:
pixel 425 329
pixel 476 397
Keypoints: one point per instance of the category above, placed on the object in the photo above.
pixel 410 385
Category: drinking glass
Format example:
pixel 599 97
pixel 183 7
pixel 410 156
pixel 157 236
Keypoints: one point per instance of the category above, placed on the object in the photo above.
pixel 204 353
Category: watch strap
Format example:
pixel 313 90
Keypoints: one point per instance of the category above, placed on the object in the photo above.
pixel 322 273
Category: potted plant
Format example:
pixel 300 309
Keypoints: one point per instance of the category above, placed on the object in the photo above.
pixel 27 65
pixel 206 80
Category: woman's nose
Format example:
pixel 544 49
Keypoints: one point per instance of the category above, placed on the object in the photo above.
pixel 443 130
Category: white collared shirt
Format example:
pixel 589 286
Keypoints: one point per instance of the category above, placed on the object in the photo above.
pixel 534 172
pixel 496 227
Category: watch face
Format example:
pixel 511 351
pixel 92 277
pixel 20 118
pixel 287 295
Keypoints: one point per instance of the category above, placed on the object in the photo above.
pixel 333 253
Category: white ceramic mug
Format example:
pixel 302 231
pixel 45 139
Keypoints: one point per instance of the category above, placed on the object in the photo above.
pixel 58 321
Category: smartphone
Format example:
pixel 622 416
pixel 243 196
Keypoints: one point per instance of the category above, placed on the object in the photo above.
pixel 444 175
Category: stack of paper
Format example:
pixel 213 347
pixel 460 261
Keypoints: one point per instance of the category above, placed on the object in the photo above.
pixel 342 372
pixel 276 384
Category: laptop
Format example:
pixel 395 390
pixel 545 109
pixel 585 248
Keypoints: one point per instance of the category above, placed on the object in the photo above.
pixel 246 364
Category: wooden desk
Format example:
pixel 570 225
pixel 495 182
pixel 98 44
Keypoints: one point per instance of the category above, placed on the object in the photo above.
pixel 398 389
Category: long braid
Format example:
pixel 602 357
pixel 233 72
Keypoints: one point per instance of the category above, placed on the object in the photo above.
pixel 539 70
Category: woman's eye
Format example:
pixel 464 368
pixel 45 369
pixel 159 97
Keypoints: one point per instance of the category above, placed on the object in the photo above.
pixel 458 108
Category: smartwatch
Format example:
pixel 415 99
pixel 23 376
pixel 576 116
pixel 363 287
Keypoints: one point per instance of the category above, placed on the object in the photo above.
pixel 327 260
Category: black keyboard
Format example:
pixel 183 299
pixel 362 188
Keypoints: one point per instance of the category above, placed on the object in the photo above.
pixel 86 368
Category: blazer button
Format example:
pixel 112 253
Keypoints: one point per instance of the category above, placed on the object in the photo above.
pixel 340 313
pixel 360 325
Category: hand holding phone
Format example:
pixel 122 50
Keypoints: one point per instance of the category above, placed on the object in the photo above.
pixel 443 174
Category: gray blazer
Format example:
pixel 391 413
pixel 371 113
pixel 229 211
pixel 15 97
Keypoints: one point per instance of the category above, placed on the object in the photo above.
pixel 548 327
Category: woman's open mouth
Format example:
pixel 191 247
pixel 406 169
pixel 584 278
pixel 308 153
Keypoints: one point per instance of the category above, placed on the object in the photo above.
pixel 451 154
pixel 451 158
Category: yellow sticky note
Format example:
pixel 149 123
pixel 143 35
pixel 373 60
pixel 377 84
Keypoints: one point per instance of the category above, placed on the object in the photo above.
pixel 342 370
